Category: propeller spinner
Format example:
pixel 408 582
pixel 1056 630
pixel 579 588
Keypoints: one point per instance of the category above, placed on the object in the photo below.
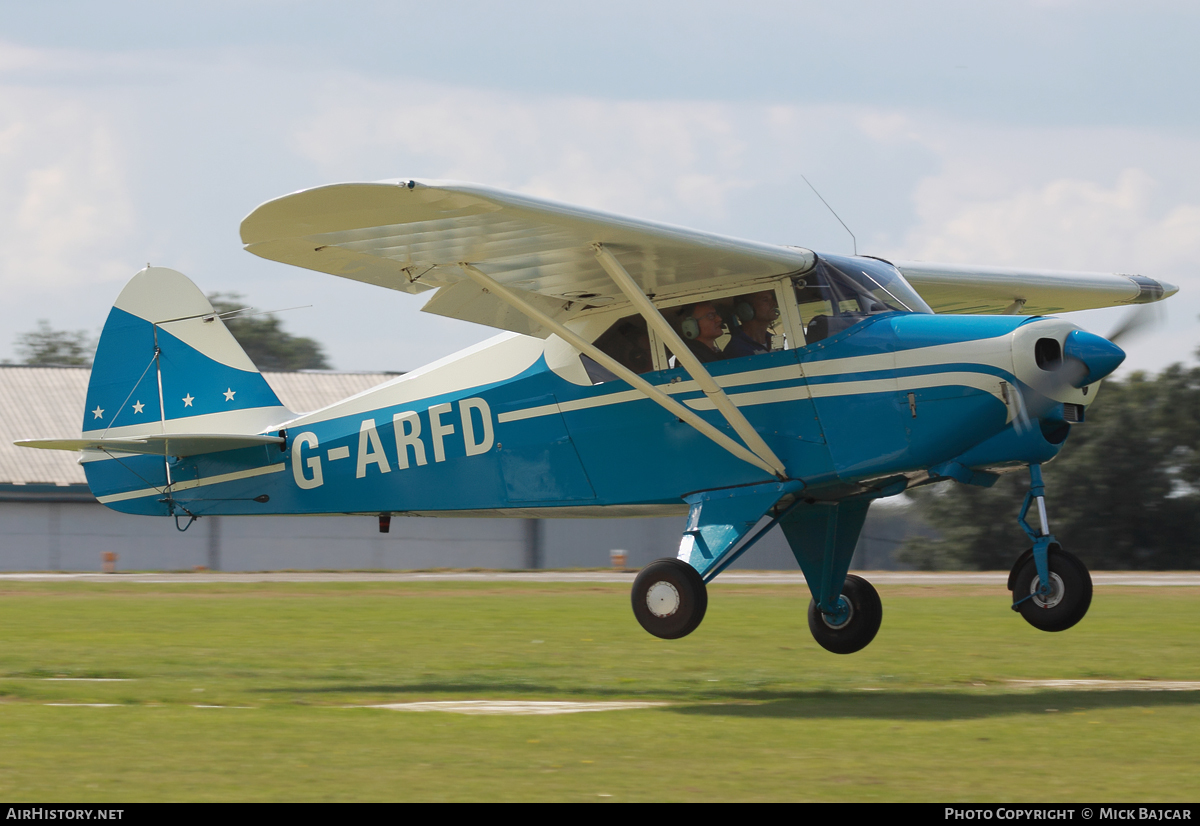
pixel 1057 364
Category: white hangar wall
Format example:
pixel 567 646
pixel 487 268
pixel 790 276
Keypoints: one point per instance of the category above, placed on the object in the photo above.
pixel 74 535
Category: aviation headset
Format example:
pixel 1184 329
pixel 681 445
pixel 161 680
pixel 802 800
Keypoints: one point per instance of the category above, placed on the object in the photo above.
pixel 689 328
pixel 744 311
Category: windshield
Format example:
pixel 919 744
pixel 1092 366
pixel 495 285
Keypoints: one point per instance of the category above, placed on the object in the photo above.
pixel 841 291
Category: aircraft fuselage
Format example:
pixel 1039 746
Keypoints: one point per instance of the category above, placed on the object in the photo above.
pixel 497 431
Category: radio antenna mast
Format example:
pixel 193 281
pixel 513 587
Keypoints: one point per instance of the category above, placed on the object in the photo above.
pixel 853 240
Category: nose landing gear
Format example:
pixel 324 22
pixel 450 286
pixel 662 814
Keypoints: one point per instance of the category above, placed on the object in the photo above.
pixel 1051 588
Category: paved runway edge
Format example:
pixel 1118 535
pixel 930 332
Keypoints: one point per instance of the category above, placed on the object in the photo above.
pixel 995 578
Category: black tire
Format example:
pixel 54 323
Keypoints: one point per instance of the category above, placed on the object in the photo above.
pixel 669 598
pixel 856 633
pixel 1069 601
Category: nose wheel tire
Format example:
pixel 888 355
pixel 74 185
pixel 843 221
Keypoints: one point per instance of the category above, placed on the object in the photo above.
pixel 1070 591
pixel 857 624
pixel 669 598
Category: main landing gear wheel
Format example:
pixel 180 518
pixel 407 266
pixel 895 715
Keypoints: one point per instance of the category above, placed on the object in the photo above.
pixel 858 624
pixel 669 598
pixel 1070 590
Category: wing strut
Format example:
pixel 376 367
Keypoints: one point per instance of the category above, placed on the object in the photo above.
pixel 684 355
pixel 616 368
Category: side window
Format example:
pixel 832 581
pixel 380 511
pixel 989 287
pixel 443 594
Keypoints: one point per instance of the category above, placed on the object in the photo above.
pixel 730 327
pixel 628 342
pixel 839 292
pixel 813 302
pixel 827 307
pixel 754 324
pixel 704 328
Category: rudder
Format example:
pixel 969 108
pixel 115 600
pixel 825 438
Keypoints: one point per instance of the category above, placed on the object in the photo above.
pixel 166 363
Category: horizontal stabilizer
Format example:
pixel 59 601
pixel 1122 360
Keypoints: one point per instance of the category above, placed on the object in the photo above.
pixel 169 444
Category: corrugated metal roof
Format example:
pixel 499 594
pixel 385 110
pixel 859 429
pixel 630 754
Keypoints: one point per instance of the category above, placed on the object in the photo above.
pixel 47 403
pixel 304 391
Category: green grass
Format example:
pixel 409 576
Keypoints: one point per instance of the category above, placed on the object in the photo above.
pixel 758 711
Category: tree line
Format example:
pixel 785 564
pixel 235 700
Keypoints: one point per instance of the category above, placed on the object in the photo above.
pixel 261 335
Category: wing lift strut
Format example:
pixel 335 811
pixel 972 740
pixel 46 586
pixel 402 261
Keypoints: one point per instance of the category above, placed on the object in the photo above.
pixel 755 451
pixel 717 520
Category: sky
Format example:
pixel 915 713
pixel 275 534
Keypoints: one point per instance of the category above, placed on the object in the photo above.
pixel 1049 133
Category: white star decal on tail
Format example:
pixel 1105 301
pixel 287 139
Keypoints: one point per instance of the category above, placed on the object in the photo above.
pixel 229 394
pixel 188 399
pixel 98 412
pixel 137 407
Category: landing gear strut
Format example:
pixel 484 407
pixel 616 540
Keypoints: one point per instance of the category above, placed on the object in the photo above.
pixel 1051 588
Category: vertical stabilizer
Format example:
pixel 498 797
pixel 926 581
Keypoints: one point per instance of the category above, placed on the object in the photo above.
pixel 167 364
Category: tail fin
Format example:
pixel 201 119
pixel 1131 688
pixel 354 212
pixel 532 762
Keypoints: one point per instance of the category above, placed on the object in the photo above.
pixel 168 379
pixel 167 364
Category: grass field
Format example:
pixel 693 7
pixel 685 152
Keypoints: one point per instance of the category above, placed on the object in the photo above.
pixel 756 710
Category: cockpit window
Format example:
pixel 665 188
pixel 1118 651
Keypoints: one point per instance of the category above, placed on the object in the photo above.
pixel 628 342
pixel 841 291
pixel 754 324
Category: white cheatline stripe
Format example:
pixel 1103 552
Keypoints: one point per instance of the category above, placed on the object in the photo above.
pixel 753 397
pixel 988 351
pixel 980 381
pixel 618 398
pixel 873 363
pixel 595 401
pixel 518 707
pixel 528 413
pixel 772 374
pixel 195 483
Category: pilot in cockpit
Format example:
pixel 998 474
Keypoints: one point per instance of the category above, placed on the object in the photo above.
pixel 701 326
pixel 757 312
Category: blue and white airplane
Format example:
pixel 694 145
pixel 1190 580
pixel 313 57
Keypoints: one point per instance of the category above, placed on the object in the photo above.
pixel 645 370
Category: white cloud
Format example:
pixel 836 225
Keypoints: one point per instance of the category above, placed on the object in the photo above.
pixel 165 156
pixel 63 191
pixel 621 155
pixel 1063 223
pixel 975 215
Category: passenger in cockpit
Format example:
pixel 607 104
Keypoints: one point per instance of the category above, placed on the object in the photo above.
pixel 757 312
pixel 700 327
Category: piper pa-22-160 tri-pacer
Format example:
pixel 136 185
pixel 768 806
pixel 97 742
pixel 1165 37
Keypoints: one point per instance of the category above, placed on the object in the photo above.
pixel 645 370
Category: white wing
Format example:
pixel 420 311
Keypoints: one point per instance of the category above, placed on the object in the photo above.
pixel 952 288
pixel 412 235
